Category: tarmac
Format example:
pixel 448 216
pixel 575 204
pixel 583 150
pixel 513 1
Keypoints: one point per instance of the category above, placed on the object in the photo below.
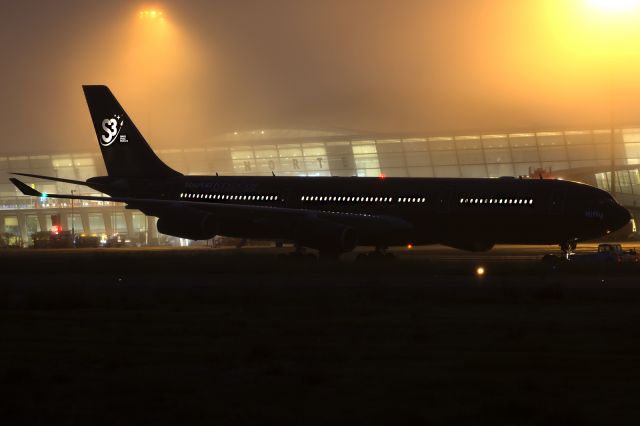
pixel 247 336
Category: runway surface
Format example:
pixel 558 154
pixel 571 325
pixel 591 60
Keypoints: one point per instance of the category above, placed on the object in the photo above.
pixel 525 261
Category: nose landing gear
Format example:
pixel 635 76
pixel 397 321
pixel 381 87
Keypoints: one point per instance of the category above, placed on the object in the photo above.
pixel 568 248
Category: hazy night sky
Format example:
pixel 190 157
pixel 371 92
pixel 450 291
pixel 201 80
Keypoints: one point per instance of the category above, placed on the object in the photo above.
pixel 379 66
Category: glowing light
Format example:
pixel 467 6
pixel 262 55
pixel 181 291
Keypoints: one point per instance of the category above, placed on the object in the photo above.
pixel 151 14
pixel 409 246
pixel 614 6
pixel 381 176
pixel 480 271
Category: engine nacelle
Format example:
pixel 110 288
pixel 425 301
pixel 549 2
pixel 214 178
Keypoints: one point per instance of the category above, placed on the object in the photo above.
pixel 185 222
pixel 325 235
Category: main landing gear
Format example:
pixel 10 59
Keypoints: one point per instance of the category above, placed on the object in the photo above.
pixel 380 253
pixel 299 254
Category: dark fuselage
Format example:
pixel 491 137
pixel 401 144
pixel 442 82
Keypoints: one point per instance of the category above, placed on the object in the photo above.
pixel 470 214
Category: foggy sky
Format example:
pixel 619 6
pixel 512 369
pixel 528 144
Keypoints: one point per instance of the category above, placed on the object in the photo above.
pixel 391 66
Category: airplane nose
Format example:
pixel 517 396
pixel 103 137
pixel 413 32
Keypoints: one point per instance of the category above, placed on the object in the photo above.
pixel 619 217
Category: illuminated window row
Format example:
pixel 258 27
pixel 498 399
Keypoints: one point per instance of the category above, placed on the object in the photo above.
pixel 498 201
pixel 229 197
pixel 412 200
pixel 351 199
pixel 347 199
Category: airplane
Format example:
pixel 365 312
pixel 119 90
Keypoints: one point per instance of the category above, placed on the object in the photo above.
pixel 333 215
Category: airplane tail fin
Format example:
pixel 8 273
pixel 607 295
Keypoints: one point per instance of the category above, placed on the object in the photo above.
pixel 125 152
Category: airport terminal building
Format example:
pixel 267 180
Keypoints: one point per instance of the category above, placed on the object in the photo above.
pixel 583 155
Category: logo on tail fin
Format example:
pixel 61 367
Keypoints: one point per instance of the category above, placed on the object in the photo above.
pixel 112 127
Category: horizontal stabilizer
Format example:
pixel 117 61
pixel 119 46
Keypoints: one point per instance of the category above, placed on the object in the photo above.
pixel 56 179
pixel 24 188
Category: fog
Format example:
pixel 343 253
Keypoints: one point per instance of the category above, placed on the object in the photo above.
pixel 375 66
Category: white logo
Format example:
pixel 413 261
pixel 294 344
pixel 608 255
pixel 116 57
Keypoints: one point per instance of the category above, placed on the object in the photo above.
pixel 594 214
pixel 112 127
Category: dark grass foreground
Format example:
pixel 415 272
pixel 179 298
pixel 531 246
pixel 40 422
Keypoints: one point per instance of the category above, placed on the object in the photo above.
pixel 255 341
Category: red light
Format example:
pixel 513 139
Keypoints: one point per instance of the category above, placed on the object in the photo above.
pixel 409 246
pixel 55 229
pixel 381 176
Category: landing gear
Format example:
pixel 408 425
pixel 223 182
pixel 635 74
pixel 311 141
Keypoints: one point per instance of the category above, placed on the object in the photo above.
pixel 328 255
pixel 380 253
pixel 568 248
pixel 299 254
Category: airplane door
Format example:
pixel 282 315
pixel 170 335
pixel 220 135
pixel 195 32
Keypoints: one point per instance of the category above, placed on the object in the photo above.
pixel 443 202
pixel 290 199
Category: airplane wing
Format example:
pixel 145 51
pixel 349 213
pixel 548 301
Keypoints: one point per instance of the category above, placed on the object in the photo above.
pixel 380 223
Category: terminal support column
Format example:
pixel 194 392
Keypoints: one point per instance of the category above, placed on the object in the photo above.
pixel 42 221
pixel 128 219
pixel 84 217
pixel 22 224
pixel 152 231
pixel 106 217
pixel 65 221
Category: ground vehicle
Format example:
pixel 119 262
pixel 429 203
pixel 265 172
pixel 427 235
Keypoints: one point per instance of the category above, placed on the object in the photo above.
pixel 52 239
pixel 630 256
pixel 116 240
pixel 610 253
pixel 87 240
pixel 8 240
pixel 613 253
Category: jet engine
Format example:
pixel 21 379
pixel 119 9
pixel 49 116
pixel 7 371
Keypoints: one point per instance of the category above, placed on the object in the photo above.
pixel 185 222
